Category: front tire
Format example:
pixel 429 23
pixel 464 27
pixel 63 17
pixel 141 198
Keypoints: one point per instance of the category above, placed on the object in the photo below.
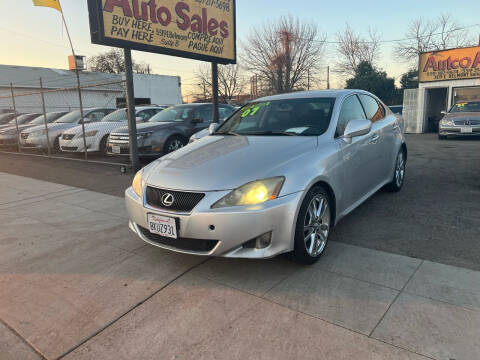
pixel 398 173
pixel 174 143
pixel 313 226
pixel 103 146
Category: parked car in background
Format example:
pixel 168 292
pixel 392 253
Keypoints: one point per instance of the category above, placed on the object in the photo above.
pixel 463 119
pixel 167 131
pixel 397 109
pixel 274 178
pixel 96 134
pixel 5 118
pixel 20 120
pixel 206 132
pixel 36 137
pixel 9 135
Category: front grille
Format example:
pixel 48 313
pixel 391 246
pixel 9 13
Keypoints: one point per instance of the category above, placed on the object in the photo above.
pixel 181 243
pixel 468 122
pixel 182 201
pixel 24 136
pixel 69 148
pixel 68 136
pixel 119 138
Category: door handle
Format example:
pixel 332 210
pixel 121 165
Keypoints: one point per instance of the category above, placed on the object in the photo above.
pixel 374 139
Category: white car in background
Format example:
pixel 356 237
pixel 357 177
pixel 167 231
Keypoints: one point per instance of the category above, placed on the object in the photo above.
pixel 96 134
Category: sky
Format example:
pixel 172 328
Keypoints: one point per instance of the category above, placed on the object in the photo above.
pixel 33 36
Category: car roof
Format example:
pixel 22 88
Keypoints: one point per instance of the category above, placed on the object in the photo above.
pixel 313 94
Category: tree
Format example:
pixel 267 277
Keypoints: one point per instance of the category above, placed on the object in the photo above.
pixel 431 35
pixel 113 61
pixel 231 82
pixel 354 49
pixel 286 54
pixel 409 80
pixel 375 81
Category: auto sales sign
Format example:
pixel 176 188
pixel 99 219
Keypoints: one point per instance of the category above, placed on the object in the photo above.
pixel 197 29
pixel 450 64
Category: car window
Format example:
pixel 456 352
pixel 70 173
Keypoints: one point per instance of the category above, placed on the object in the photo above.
pixel 375 112
pixel 301 117
pixel 224 112
pixel 351 110
pixel 176 113
pixel 95 116
pixel 145 115
pixel 473 106
pixel 206 113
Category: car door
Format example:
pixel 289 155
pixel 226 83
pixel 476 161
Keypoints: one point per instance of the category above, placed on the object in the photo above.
pixel 383 132
pixel 358 155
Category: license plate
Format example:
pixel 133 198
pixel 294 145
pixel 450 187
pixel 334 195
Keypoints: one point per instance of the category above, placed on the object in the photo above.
pixel 116 149
pixel 162 225
pixel 466 130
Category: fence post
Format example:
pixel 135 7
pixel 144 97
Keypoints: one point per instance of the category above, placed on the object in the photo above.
pixel 45 117
pixel 132 121
pixel 16 119
pixel 81 112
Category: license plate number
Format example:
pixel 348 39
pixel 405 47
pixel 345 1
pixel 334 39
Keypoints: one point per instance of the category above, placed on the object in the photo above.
pixel 116 149
pixel 466 130
pixel 162 225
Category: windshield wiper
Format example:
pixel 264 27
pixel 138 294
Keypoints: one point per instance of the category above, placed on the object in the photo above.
pixel 229 133
pixel 274 133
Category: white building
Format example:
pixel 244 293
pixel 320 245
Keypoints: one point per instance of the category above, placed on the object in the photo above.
pixel 98 89
pixel 446 78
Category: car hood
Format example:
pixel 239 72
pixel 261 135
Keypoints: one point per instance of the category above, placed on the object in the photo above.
pixel 51 127
pixel 145 127
pixel 201 134
pixel 20 127
pixel 463 116
pixel 217 163
pixel 106 125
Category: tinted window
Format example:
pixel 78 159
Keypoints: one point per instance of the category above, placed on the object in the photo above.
pixel 351 110
pixel 206 113
pixel 302 117
pixel 176 113
pixel 224 112
pixel 95 116
pixel 372 108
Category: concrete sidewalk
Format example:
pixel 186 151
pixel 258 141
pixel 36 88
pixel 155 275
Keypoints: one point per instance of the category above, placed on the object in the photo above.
pixel 75 284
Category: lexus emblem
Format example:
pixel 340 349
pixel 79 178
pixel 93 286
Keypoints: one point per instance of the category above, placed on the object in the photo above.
pixel 467 122
pixel 168 199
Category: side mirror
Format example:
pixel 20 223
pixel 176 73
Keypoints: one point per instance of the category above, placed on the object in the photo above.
pixel 443 112
pixel 139 119
pixel 197 121
pixel 357 128
pixel 85 121
pixel 212 128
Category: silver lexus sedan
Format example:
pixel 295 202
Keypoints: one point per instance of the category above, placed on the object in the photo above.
pixel 273 178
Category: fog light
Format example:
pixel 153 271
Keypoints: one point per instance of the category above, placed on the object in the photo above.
pixel 261 242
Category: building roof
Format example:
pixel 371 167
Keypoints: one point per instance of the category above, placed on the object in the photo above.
pixel 29 77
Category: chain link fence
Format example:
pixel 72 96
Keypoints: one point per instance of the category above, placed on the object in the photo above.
pixel 44 117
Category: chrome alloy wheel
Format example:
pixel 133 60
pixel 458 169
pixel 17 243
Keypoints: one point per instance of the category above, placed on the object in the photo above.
pixel 175 145
pixel 317 225
pixel 400 169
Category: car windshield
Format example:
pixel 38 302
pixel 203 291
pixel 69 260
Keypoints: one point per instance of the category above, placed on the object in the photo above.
pixel 71 117
pixel 473 106
pixel 175 113
pixel 50 117
pixel 5 118
pixel 20 119
pixel 116 116
pixel 292 117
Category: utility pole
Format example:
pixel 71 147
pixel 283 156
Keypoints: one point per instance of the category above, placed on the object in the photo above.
pixel 308 79
pixel 132 120
pixel 216 116
pixel 328 77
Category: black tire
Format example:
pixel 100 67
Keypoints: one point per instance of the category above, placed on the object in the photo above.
pixel 173 143
pixel 56 146
pixel 442 137
pixel 300 253
pixel 397 183
pixel 103 146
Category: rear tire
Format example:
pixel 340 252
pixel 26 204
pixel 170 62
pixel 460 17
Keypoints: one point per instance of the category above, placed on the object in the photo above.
pixel 398 173
pixel 174 143
pixel 313 226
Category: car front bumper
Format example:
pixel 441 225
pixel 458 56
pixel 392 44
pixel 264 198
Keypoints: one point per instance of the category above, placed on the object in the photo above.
pixel 8 140
pixel 34 142
pixel 457 130
pixel 76 145
pixel 232 227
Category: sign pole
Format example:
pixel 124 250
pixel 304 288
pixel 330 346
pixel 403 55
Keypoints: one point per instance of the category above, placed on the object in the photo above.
pixel 215 92
pixel 132 120
pixel 16 119
pixel 45 118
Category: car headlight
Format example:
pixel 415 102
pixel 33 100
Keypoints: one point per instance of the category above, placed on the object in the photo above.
pixel 137 185
pixel 253 193
pixel 144 135
pixel 446 122
pixel 89 134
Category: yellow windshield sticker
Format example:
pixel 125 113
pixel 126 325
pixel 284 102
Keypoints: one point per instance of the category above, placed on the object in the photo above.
pixel 253 109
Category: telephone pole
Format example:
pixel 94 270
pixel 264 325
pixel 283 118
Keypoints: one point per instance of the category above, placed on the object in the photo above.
pixel 328 77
